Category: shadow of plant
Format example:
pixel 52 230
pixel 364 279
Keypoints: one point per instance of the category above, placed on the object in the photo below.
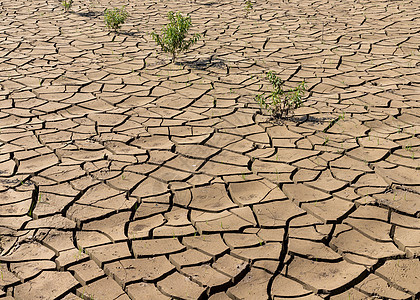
pixel 203 63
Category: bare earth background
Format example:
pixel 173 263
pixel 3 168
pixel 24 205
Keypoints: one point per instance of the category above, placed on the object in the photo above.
pixel 123 176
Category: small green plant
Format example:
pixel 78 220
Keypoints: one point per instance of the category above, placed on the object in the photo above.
pixel 115 17
pixel 87 296
pixel 67 4
pixel 248 5
pixel 173 39
pixel 78 255
pixel 279 103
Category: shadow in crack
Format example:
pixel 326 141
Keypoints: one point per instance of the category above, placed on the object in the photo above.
pixel 209 3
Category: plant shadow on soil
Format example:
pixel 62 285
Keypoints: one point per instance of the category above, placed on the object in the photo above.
pixel 301 119
pixel 196 64
pixel 90 14
pixel 203 63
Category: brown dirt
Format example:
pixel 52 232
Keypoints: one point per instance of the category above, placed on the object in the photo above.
pixel 123 176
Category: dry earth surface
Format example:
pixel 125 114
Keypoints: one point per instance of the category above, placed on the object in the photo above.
pixel 123 176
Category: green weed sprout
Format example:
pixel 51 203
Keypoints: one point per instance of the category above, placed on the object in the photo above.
pixel 279 103
pixel 173 39
pixel 115 17
pixel 67 4
pixel 248 5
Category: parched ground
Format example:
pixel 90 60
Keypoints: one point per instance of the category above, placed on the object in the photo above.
pixel 123 176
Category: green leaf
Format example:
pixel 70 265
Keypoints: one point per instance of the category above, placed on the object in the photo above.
pixel 279 103
pixel 115 17
pixel 173 38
